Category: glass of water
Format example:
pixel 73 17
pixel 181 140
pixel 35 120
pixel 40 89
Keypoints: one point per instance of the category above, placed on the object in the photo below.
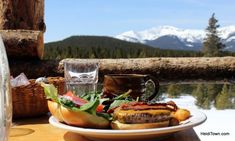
pixel 81 77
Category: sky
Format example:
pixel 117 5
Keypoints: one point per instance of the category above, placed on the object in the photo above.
pixel 65 18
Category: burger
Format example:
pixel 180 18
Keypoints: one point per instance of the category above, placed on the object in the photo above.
pixel 140 115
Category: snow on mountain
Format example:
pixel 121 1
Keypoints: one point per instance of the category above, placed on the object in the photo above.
pixel 190 38
pixel 230 39
pixel 154 33
pixel 227 32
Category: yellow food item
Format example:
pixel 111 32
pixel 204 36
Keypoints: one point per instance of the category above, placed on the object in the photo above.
pixel 181 114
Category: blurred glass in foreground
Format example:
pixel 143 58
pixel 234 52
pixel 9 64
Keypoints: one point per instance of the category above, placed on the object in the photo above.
pixel 5 95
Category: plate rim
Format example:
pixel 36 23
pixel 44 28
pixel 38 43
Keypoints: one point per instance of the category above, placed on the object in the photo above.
pixel 88 131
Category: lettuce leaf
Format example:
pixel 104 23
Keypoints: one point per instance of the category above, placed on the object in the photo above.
pixel 68 103
pixel 125 95
pixel 116 103
pixel 51 92
pixel 90 107
pixel 121 99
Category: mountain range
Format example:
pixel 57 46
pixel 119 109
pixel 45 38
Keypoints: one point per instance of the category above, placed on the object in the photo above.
pixel 169 37
pixel 106 47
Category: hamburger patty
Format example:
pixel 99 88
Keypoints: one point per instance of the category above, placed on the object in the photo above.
pixel 144 106
pixel 143 116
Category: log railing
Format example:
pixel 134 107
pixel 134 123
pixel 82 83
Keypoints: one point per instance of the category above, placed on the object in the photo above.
pixel 163 68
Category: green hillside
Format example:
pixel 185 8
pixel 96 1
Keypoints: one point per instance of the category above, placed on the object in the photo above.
pixel 106 47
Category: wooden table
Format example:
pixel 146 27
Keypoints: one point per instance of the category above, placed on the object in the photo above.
pixel 38 129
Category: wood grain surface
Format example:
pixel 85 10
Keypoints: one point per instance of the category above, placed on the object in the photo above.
pixel 38 129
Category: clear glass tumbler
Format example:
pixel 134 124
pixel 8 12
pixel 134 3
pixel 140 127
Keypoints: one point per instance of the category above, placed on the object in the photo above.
pixel 81 76
pixel 5 95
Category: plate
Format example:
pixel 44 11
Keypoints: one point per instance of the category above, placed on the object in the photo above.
pixel 196 118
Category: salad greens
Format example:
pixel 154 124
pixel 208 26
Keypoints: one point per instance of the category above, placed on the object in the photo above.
pixel 90 107
pixel 51 92
pixel 125 95
pixel 116 103
pixel 68 103
pixel 121 99
pixel 93 96
pixel 92 100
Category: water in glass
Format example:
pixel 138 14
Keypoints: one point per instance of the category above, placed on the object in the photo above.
pixel 81 77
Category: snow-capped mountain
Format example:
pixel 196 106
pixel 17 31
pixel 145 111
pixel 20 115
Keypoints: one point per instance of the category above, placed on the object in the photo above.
pixel 169 37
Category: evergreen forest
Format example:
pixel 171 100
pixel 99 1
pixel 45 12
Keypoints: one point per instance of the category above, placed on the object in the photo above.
pixel 207 96
pixel 108 47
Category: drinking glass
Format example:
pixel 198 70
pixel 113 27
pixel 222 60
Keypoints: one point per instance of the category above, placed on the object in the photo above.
pixel 5 95
pixel 81 77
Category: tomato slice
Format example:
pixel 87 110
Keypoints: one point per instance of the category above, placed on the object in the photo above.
pixel 75 99
pixel 100 108
pixel 79 101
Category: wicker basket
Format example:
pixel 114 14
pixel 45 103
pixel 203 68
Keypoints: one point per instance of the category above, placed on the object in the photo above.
pixel 29 101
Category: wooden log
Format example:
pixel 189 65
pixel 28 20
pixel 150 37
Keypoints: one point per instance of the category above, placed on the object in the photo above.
pixel 165 69
pixel 23 43
pixel 34 68
pixel 22 14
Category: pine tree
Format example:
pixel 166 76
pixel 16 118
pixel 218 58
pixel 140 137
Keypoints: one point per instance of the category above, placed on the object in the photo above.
pixel 223 100
pixel 201 95
pixel 173 90
pixel 212 44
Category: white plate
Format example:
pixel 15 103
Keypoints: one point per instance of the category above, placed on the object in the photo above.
pixel 196 118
